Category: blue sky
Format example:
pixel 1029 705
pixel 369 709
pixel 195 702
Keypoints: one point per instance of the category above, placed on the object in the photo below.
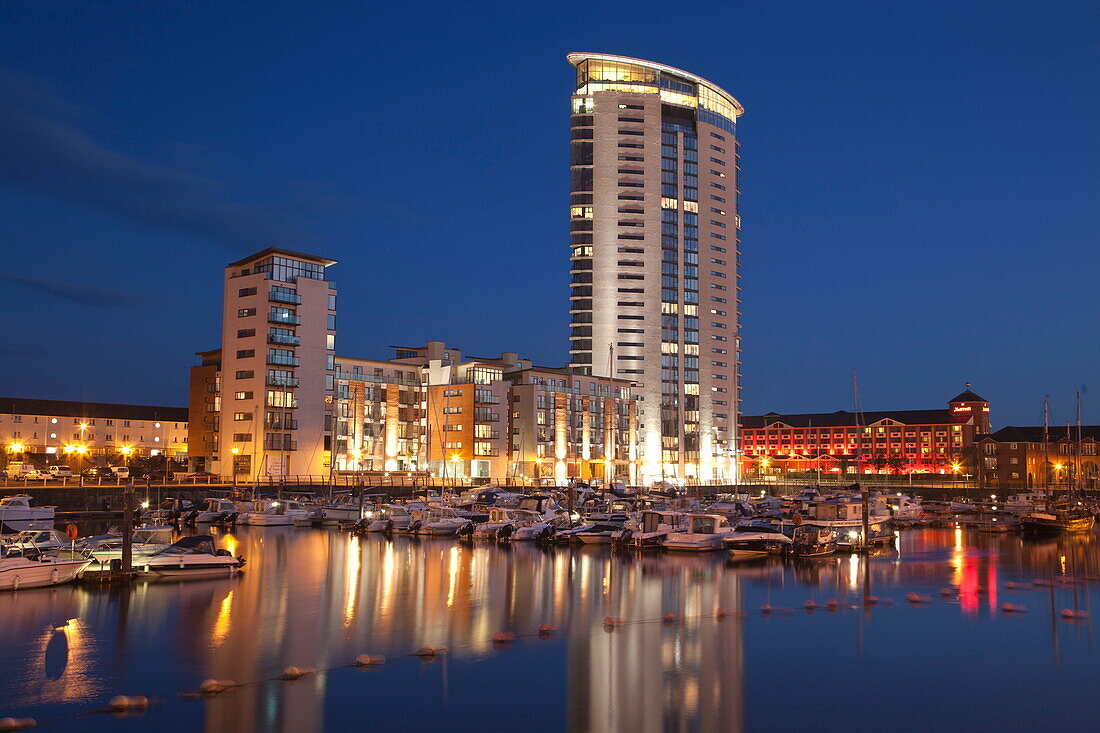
pixel 920 184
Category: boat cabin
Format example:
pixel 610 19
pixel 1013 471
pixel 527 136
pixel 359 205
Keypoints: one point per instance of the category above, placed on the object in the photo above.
pixel 707 524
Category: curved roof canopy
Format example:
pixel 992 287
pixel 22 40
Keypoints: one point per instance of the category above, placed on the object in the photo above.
pixel 578 57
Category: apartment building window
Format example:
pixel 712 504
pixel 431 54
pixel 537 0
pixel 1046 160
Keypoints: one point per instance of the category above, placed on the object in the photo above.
pixel 246 353
pixel 242 395
pixel 245 332
pixel 452 410
pixel 239 416
pixel 242 292
pixel 243 312
pixel 242 437
pixel 245 374
pixel 452 428
pixel 278 398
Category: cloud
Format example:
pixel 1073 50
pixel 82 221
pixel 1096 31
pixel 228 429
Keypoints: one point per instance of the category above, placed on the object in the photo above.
pixel 82 294
pixel 41 151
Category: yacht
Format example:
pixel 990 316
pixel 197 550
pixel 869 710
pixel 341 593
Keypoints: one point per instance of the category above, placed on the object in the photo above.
pixel 189 557
pixel 17 514
pixel 703 533
pixel 1062 515
pixel 343 508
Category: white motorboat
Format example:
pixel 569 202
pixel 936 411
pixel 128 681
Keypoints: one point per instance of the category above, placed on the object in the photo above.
pixel 754 539
pixel 42 539
pixel 603 530
pixel 703 533
pixel 190 557
pixel 387 518
pixel 19 570
pixel 440 521
pixel 650 529
pixel 145 541
pixel 217 510
pixel 343 508
pixel 1026 502
pixel 906 507
pixel 275 513
pixel 500 525
pixel 17 514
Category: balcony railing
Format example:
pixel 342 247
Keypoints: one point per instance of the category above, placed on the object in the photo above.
pixel 274 403
pixel 282 381
pixel 278 338
pixel 281 425
pixel 377 379
pixel 277 297
pixel 287 318
pixel 280 444
pixel 282 360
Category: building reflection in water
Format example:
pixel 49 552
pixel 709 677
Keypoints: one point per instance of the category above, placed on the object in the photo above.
pixel 317 599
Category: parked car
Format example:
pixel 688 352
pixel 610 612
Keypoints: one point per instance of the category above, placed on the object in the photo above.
pixel 119 471
pixel 22 471
pixel 60 471
pixel 202 476
pixel 160 476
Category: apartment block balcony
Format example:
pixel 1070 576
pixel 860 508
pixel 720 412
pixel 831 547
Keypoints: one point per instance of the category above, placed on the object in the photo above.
pixel 285 424
pixel 282 381
pixel 278 338
pixel 276 442
pixel 286 318
pixel 283 297
pixel 277 360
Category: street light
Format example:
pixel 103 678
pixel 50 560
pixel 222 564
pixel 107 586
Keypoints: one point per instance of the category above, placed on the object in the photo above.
pixel 235 451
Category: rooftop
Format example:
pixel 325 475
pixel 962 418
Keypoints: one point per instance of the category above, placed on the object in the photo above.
pixel 67 408
pixel 285 253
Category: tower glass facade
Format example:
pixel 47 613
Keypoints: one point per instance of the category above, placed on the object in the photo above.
pixel 654 248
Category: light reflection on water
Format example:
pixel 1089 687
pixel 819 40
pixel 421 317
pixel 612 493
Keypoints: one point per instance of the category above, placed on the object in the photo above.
pixel 318 598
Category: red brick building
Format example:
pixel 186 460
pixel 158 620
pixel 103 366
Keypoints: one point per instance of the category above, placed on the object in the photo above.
pixel 894 441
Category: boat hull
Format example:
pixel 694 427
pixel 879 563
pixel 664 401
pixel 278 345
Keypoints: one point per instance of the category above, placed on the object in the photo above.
pixel 19 573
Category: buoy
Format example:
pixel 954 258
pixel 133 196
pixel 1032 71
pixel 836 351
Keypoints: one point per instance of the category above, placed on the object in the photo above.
pixel 213 687
pixel 810 605
pixel 1012 608
pixel 916 598
pixel 612 621
pixel 1069 613
pixel 128 702
pixel 720 613
pixel 17 723
pixel 765 609
pixel 503 637
pixel 947 592
pixel 430 651
pixel 872 600
pixel 831 604
pixel 669 617
pixel 366 660
pixel 293 673
pixel 545 629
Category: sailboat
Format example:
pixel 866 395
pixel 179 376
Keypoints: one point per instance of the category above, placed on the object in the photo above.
pixel 1068 513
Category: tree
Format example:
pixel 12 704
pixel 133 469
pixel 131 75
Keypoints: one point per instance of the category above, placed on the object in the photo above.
pixel 878 460
pixel 897 462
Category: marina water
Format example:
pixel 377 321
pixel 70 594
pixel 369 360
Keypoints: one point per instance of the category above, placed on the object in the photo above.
pixel 318 598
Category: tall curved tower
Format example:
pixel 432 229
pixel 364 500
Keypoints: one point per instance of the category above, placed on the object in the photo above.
pixel 655 248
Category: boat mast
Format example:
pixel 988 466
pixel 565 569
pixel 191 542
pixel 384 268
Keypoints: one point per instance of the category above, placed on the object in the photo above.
pixel 1046 447
pixel 857 407
pixel 1077 490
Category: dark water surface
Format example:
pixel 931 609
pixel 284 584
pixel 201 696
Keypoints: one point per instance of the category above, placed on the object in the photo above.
pixel 317 598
